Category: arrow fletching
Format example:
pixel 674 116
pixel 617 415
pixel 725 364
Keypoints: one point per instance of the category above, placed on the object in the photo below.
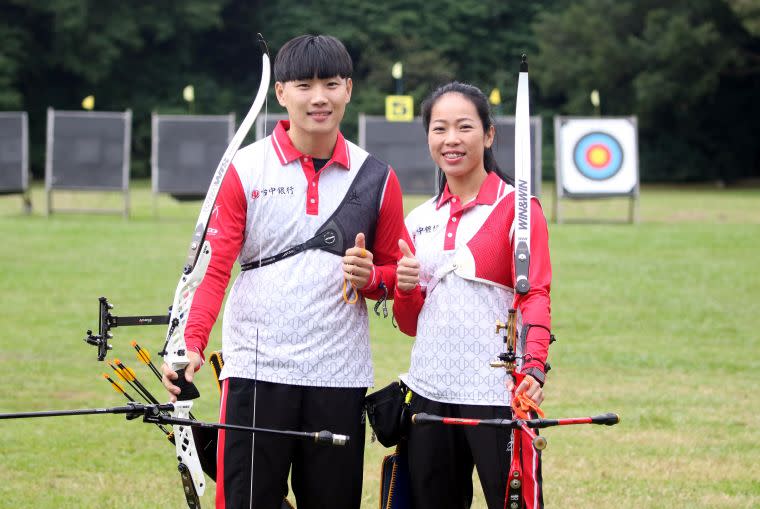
pixel 142 354
pixel 118 388
pixel 127 373
pixel 118 371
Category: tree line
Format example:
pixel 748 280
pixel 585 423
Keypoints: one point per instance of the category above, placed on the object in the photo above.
pixel 689 70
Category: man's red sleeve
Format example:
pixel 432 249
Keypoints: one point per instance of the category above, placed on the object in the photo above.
pixel 225 233
pixel 385 251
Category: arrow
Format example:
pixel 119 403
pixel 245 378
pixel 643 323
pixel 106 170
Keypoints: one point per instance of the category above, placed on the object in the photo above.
pixel 118 388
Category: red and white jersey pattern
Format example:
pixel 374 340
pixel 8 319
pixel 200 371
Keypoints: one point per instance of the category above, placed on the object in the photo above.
pixel 466 285
pixel 287 322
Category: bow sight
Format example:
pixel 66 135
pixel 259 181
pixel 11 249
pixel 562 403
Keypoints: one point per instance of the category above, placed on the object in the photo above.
pixel 107 321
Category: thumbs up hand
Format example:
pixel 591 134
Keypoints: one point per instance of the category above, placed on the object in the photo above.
pixel 408 268
pixel 357 263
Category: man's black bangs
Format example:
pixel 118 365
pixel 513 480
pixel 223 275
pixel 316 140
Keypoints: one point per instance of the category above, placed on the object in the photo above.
pixel 311 61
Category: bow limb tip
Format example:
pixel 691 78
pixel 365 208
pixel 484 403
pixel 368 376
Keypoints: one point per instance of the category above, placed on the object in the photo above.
pixel 262 43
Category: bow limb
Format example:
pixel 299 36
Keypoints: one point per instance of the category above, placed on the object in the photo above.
pixel 523 176
pixel 197 262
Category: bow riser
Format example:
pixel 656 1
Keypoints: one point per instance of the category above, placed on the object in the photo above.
pixel 175 352
pixel 187 454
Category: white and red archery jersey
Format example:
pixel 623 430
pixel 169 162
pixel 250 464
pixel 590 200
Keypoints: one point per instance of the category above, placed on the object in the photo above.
pixel 466 285
pixel 273 199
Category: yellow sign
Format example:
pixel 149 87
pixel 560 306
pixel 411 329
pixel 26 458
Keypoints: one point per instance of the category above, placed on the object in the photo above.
pixel 399 108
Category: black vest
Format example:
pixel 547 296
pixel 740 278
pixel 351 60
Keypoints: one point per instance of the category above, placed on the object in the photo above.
pixel 357 213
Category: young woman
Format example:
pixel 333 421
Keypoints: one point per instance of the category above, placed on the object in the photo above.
pixel 453 284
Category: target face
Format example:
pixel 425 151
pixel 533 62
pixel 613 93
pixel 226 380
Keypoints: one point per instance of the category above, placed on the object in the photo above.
pixel 596 156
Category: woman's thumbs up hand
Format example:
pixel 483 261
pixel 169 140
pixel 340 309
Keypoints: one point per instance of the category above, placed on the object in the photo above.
pixel 408 269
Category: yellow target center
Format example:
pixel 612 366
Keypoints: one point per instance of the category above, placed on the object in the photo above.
pixel 598 156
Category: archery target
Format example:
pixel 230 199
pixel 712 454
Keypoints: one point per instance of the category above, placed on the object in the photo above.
pixel 597 155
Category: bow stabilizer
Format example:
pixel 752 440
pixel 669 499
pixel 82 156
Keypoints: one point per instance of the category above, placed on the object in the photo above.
pixel 164 413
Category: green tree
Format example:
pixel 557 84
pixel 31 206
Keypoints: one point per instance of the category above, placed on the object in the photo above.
pixel 474 41
pixel 687 69
pixel 127 54
pixel 11 52
pixel 680 67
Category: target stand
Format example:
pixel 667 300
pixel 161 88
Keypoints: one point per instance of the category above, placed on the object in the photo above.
pixel 596 157
pixel 185 150
pixel 88 151
pixel 14 156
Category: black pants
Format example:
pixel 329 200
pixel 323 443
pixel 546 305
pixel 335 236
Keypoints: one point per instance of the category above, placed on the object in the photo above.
pixel 323 476
pixel 442 458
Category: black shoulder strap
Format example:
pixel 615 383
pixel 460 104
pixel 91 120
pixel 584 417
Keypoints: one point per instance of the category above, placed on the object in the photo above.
pixel 358 212
pixel 319 241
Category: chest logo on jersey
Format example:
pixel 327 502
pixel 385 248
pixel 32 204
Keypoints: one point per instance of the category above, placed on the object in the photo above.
pixel 272 191
pixel 426 229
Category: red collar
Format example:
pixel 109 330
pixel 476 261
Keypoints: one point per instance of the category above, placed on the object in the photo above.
pixel 287 153
pixel 487 193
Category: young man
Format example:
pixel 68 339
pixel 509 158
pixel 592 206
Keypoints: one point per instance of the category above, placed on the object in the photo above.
pixel 295 345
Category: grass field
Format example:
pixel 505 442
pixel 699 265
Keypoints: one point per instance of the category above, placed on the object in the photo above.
pixel 658 322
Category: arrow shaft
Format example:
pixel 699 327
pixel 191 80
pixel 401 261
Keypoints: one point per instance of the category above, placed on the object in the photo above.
pixel 604 419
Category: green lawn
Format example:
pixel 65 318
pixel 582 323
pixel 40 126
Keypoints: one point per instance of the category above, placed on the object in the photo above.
pixel 657 321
